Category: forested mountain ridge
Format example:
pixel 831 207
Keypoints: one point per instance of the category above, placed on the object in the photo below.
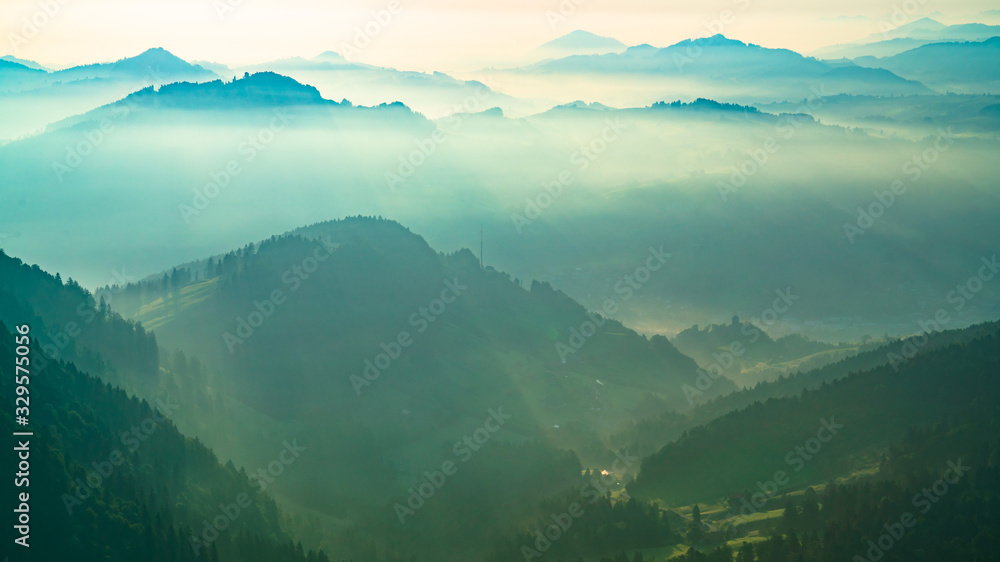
pixel 385 437
pixel 72 326
pixel 648 434
pixel 379 274
pixel 934 497
pixel 865 412
pixel 112 479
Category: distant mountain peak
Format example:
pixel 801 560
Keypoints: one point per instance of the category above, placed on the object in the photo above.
pixel 580 39
pixel 579 104
pixel 156 53
pixel 159 63
pixel 717 40
pixel 331 57
pixel 912 29
pixel 644 50
pixel 924 23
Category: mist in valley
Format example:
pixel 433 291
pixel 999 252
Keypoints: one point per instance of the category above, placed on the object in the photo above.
pixel 591 300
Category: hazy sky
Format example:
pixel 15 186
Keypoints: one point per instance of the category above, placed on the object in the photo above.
pixel 427 34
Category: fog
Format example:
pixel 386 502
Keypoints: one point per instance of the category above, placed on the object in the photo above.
pixel 574 196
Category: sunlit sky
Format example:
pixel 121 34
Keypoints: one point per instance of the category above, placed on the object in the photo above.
pixel 430 34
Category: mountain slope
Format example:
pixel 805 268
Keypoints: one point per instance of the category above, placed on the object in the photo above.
pixel 156 65
pixel 28 63
pixel 756 356
pixel 970 67
pixel 30 101
pixel 852 418
pixel 382 354
pixel 536 326
pixel 651 434
pixel 15 76
pixel 932 498
pixel 112 479
pixel 716 66
pixel 578 43
pixel 904 38
pixel 434 94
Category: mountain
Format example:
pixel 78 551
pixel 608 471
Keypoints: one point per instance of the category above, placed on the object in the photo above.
pixel 583 40
pixel 885 48
pixel 29 101
pixel 650 434
pixel 156 66
pixel 480 507
pixel 433 94
pixel 578 43
pixel 718 67
pixel 968 67
pixel 716 55
pixel 104 345
pixel 928 499
pixel 987 16
pixel 922 28
pixel 910 36
pixel 30 64
pixel 854 418
pixel 110 474
pixel 14 75
pixel 253 90
pixel 927 29
pixel 330 57
pixel 912 117
pixel 218 68
pixel 258 93
pixel 760 358
pixel 357 313
pixel 381 353
pixel 665 168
